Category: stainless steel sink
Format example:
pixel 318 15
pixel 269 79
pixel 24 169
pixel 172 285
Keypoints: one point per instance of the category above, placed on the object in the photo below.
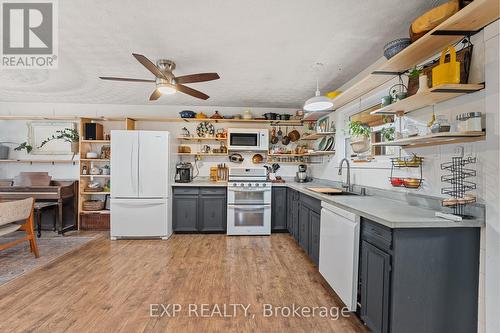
pixel 327 191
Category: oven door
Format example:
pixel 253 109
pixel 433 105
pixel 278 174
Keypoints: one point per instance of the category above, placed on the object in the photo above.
pixel 249 219
pixel 237 196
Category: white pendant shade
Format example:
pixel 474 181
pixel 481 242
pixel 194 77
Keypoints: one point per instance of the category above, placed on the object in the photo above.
pixel 318 103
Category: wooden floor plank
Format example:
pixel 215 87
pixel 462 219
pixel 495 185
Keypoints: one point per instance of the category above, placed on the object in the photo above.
pixel 109 286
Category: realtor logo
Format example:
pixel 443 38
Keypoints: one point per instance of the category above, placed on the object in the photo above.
pixel 29 34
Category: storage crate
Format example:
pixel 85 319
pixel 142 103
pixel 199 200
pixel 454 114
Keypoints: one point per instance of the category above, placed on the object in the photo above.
pixel 96 222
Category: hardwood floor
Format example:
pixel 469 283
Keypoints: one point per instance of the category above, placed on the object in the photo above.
pixel 109 287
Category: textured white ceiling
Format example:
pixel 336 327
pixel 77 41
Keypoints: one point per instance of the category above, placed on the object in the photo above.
pixel 263 50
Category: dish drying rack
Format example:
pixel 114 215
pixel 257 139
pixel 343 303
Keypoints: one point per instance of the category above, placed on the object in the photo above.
pixel 413 161
pixel 459 185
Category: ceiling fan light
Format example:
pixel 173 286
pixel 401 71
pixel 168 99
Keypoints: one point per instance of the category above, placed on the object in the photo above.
pixel 166 89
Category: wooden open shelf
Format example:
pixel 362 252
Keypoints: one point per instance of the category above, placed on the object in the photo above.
pixel 94 193
pixel 242 121
pixel 203 154
pixel 200 138
pixel 104 211
pixel 436 139
pixel 435 95
pixel 96 176
pixel 96 141
pixel 316 136
pixel 94 159
pixel 40 161
pixel 316 153
pixel 468 20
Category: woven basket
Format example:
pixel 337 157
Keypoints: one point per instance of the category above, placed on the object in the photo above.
pixel 93 189
pixel 91 205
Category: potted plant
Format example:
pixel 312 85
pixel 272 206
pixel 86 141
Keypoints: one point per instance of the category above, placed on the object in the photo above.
pixel 24 145
pixel 360 135
pixel 68 135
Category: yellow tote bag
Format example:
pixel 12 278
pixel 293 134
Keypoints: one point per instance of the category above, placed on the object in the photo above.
pixel 446 72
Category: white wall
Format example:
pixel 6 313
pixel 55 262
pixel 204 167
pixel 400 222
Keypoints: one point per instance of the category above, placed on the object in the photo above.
pixel 485 67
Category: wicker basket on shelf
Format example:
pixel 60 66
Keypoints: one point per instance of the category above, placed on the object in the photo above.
pixel 93 205
pixel 93 189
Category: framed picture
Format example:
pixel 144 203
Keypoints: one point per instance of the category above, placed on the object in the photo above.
pixel 40 131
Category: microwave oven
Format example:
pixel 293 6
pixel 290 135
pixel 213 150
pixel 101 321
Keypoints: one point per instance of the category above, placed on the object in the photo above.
pixel 247 139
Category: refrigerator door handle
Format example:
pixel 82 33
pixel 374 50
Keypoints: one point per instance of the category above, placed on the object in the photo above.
pixel 132 167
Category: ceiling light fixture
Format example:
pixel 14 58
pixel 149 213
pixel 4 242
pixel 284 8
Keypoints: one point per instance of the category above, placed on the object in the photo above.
pixel 166 89
pixel 318 102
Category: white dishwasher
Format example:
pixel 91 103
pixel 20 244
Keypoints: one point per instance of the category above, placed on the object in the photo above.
pixel 339 252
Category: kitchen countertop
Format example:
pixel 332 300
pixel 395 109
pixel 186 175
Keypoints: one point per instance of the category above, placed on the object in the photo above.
pixel 389 212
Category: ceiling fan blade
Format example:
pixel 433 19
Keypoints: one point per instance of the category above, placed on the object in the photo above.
pixel 123 79
pixel 149 65
pixel 191 92
pixel 155 95
pixel 201 77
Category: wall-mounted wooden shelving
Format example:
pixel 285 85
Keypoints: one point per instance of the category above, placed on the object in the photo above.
pixel 94 160
pixel 192 138
pixel 202 154
pixel 315 136
pixel 436 139
pixel 94 193
pixel 435 95
pixel 467 21
pixel 40 161
pixel 96 141
pixel 316 153
pixel 96 176
pixel 106 212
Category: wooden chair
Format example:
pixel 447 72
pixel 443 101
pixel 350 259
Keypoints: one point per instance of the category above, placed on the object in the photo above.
pixel 11 214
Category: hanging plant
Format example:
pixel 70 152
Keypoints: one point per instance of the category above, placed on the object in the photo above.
pixel 356 128
pixel 68 135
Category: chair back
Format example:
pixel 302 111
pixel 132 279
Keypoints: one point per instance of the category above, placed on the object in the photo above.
pixel 13 211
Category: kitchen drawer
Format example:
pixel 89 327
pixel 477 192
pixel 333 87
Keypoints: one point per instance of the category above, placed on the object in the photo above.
pixel 376 234
pixel 213 191
pixel 311 202
pixel 186 190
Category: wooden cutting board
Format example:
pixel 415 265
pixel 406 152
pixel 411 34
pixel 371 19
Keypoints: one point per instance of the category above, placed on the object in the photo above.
pixel 324 189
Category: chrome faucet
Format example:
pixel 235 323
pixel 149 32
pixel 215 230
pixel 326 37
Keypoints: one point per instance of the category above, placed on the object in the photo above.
pixel 348 186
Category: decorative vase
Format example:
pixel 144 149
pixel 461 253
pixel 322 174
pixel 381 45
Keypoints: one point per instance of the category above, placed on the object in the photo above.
pixel 423 84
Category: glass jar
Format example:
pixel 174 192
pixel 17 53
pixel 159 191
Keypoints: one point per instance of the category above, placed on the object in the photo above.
pixel 474 122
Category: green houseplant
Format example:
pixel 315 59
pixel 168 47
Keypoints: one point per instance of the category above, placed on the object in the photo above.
pixel 24 145
pixel 360 136
pixel 68 135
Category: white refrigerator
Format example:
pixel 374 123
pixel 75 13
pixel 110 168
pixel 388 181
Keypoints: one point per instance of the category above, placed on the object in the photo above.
pixel 140 184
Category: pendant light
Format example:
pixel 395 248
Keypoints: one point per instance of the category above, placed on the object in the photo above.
pixel 318 102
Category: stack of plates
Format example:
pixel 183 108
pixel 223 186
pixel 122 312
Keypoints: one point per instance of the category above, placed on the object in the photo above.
pixel 327 143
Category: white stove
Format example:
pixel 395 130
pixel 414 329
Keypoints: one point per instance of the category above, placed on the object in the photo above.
pixel 248 202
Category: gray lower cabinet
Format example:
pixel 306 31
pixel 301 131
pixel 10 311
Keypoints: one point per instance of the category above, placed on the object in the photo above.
pixel 419 279
pixel 309 226
pixel 199 209
pixel 375 267
pixel 185 209
pixel 293 209
pixel 279 209
pixel 314 226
